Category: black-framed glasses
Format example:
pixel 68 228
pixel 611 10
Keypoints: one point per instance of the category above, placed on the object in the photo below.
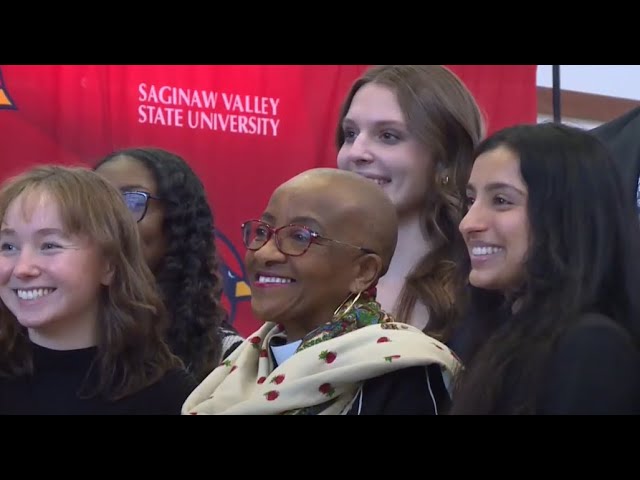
pixel 291 240
pixel 138 203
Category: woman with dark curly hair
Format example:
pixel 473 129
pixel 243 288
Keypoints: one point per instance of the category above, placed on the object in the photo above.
pixel 176 225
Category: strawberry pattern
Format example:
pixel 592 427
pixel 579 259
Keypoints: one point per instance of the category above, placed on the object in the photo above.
pixel 326 371
pixel 327 389
pixel 271 395
pixel 327 356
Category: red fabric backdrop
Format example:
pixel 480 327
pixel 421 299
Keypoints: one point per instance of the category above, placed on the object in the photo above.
pixel 244 129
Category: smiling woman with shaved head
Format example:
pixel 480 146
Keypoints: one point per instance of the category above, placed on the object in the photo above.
pixel 313 258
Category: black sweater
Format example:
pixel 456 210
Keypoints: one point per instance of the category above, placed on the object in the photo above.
pixel 593 369
pixel 58 375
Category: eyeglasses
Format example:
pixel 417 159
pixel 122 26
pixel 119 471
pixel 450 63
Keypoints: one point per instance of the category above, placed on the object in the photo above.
pixel 137 203
pixel 291 240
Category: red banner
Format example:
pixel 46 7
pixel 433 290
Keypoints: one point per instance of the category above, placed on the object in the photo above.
pixel 244 129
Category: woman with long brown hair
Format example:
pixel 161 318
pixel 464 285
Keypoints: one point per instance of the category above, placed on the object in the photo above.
pixel 412 129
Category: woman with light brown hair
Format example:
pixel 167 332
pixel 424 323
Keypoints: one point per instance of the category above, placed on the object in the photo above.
pixel 81 322
pixel 412 129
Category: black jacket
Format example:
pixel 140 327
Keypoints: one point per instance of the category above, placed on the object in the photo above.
pixel 411 391
pixel 622 137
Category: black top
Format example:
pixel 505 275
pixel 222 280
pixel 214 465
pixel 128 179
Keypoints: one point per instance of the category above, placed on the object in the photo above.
pixel 410 391
pixel 473 330
pixel 58 375
pixel 595 369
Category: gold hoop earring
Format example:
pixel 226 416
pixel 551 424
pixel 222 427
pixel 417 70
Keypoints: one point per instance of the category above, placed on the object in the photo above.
pixel 350 306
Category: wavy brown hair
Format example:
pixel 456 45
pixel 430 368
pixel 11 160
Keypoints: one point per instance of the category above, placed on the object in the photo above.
pixel 131 351
pixel 443 115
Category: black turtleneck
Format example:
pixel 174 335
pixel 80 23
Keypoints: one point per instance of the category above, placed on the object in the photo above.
pixel 58 377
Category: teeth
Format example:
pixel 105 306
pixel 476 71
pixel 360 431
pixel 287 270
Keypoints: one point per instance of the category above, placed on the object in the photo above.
pixel 379 181
pixel 33 293
pixel 481 251
pixel 262 279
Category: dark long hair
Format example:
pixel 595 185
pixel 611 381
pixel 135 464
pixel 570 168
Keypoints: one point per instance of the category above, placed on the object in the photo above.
pixel 584 257
pixel 188 275
pixel 131 352
pixel 445 118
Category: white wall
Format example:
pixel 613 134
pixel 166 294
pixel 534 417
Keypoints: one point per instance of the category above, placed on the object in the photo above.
pixel 586 124
pixel 612 80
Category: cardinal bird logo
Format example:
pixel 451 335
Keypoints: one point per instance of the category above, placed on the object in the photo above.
pixel 234 278
pixel 5 99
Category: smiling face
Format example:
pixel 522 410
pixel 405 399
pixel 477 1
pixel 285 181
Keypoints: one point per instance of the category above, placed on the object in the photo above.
pixel 129 174
pixel 496 227
pixel 302 292
pixel 378 145
pixel 50 280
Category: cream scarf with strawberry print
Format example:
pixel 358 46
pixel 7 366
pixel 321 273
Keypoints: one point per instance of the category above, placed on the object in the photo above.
pixel 325 374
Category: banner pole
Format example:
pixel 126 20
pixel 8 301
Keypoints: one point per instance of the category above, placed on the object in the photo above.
pixel 556 90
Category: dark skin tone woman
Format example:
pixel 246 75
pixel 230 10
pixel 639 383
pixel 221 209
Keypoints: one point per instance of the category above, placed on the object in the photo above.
pixel 327 347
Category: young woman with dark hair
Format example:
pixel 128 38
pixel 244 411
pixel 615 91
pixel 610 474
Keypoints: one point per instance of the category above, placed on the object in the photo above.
pixel 554 270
